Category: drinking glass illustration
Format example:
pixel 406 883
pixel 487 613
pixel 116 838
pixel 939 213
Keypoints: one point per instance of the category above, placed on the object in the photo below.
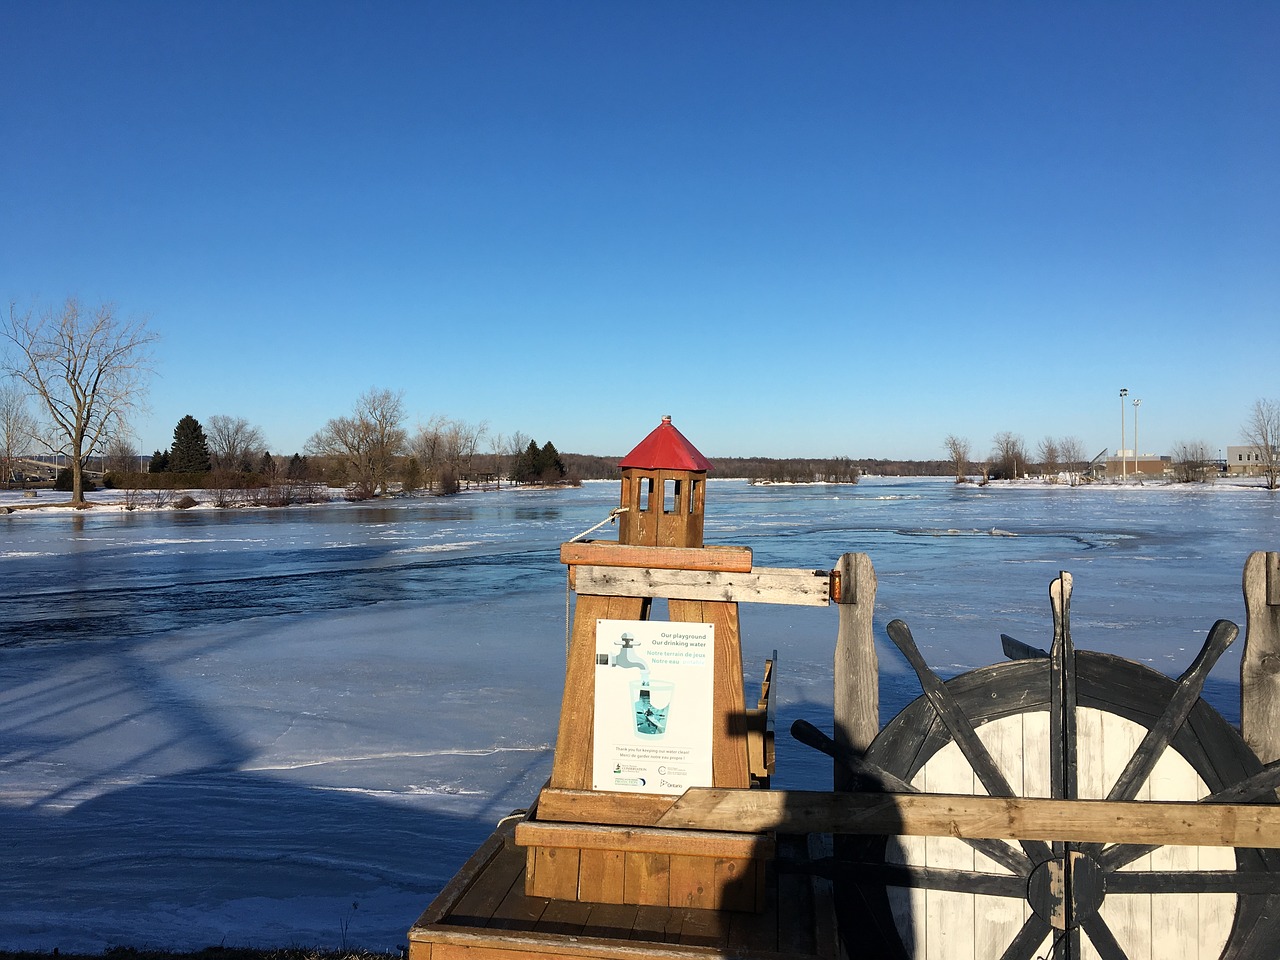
pixel 652 702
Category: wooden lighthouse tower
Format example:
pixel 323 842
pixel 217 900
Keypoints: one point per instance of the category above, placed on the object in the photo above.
pixel 663 500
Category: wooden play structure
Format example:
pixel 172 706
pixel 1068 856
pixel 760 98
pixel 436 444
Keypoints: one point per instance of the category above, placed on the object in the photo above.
pixel 1061 804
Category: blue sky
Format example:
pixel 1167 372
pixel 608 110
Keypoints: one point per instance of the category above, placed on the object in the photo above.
pixel 802 229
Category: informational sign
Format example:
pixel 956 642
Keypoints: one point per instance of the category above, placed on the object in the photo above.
pixel 654 686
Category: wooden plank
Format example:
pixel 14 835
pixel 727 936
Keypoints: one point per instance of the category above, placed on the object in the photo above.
pixel 468 945
pixel 555 872
pixel 593 806
pixel 794 587
pixel 477 905
pixel 467 875
pixel 703 928
pixel 571 766
pixel 566 917
pixel 857 667
pixel 614 921
pixel 609 553
pixel 518 910
pixel 600 876
pixel 651 923
pixel 738 884
pixel 754 929
pixel 1260 662
pixel 701 843
pixel 794 900
pixel 693 882
pixel 730 766
pixel 1009 818
pixel 648 878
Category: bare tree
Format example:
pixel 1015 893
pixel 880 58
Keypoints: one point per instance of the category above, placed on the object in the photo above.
pixel 1262 432
pixel 89 368
pixel 516 443
pixel 1008 454
pixel 234 443
pixel 1192 461
pixel 462 440
pixel 427 447
pixel 121 456
pixel 444 446
pixel 958 452
pixel 1050 453
pixel 1071 450
pixel 17 431
pixel 367 442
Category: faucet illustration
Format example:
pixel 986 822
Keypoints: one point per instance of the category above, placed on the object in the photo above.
pixel 626 657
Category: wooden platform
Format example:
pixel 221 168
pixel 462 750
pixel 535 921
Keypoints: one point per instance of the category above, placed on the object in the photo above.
pixel 485 913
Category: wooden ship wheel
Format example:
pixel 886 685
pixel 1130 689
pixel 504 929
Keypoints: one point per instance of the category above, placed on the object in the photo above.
pixel 1070 725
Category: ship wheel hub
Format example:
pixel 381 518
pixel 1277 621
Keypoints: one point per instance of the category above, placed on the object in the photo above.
pixel 1067 891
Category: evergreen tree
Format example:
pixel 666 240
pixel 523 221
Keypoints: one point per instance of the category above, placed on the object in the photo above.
pixel 550 466
pixel 190 450
pixel 298 468
pixel 538 464
pixel 159 462
pixel 525 469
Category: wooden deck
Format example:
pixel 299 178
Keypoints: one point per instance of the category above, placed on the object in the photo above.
pixel 484 913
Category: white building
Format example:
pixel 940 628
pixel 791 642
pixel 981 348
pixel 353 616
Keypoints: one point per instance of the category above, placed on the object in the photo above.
pixel 1245 461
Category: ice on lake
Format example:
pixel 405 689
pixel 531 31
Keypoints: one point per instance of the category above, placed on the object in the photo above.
pixel 290 727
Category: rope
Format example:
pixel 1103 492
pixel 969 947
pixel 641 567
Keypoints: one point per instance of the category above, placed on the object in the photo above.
pixel 613 515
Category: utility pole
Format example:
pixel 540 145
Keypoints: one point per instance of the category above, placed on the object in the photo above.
pixel 1124 392
pixel 1136 451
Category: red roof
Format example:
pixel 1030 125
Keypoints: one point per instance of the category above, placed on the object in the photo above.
pixel 665 449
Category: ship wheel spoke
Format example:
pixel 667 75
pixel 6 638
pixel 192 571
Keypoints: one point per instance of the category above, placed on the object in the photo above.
pixel 1162 732
pixel 1027 940
pixel 878 780
pixel 1062 696
pixel 1103 940
pixel 1192 881
pixel 961 729
pixel 908 876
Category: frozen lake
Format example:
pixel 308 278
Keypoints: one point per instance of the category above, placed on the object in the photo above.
pixel 290 727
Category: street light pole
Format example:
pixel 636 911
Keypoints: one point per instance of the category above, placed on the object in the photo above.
pixel 1124 392
pixel 1136 452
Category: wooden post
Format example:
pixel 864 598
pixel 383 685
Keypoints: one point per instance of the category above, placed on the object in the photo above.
pixel 1260 662
pixel 857 668
pixel 730 764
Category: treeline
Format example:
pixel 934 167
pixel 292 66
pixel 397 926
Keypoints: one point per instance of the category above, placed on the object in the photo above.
pixel 777 469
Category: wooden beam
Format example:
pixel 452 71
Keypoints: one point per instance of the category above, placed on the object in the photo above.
pixel 594 806
pixel 762 585
pixel 1260 661
pixel 693 843
pixel 609 553
pixel 977 817
pixel 857 667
